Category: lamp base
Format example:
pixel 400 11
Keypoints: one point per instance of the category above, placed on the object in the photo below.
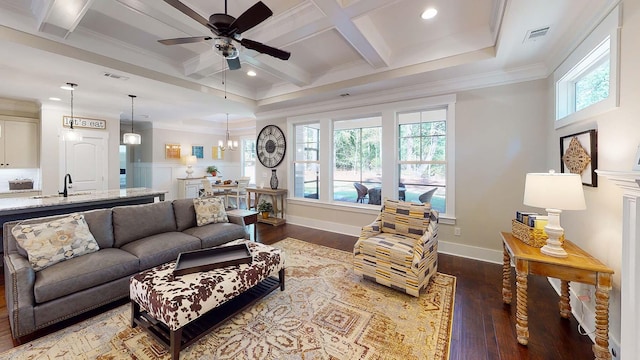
pixel 189 171
pixel 554 232
pixel 552 250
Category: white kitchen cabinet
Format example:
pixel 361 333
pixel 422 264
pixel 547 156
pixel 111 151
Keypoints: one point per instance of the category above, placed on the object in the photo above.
pixel 19 143
pixel 189 188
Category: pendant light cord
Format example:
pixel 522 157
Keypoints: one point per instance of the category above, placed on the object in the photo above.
pixel 132 97
pixel 72 86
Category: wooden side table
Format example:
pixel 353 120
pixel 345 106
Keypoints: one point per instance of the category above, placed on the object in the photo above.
pixel 277 199
pixel 578 266
pixel 250 217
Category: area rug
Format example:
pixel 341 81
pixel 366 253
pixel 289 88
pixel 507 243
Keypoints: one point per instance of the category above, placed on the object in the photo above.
pixel 325 312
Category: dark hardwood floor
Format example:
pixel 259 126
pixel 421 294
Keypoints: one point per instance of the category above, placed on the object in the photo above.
pixel 483 328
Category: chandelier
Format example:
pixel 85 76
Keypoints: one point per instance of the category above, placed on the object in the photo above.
pixel 229 145
pixel 132 138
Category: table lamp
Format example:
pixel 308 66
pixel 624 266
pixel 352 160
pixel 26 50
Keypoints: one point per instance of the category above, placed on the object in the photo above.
pixel 554 192
pixel 191 160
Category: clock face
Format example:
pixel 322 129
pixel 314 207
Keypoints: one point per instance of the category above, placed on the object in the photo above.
pixel 271 146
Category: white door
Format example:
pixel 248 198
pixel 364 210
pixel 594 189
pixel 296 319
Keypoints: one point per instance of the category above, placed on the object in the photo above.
pixel 87 163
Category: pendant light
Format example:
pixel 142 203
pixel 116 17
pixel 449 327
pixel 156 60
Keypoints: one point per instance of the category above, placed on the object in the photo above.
pixel 71 134
pixel 230 145
pixel 131 138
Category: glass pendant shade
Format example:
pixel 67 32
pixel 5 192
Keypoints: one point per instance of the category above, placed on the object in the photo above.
pixel 71 134
pixel 131 138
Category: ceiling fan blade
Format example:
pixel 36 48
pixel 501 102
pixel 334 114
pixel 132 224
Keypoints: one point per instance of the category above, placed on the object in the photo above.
pixel 265 49
pixel 188 11
pixel 256 14
pixel 186 40
pixel 234 64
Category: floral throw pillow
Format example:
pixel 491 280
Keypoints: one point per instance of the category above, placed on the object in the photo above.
pixel 51 242
pixel 210 210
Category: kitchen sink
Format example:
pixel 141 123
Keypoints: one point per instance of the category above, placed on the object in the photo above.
pixel 60 195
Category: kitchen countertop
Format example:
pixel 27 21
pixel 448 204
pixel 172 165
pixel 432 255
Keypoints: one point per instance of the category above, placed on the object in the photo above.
pixel 44 201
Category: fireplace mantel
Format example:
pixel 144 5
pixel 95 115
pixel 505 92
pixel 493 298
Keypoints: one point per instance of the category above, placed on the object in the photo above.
pixel 629 182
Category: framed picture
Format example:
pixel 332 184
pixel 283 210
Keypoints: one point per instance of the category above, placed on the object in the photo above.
pixel 172 151
pixel 579 155
pixel 217 153
pixel 197 151
pixel 636 163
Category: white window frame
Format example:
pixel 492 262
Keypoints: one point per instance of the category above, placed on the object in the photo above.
pixel 253 176
pixel 294 162
pixel 389 113
pixel 590 52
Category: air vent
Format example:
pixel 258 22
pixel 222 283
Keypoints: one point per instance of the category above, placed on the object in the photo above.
pixel 115 76
pixel 533 35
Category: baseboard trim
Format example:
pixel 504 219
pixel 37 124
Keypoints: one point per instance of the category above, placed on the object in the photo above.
pixel 445 247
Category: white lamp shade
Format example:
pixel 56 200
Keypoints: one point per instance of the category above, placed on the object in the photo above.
pixel 554 191
pixel 131 139
pixel 191 160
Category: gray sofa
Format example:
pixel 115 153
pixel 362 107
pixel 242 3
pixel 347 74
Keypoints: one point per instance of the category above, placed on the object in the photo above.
pixel 131 239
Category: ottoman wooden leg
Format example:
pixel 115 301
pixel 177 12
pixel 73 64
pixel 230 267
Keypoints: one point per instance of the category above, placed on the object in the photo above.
pixel 135 313
pixel 281 278
pixel 176 337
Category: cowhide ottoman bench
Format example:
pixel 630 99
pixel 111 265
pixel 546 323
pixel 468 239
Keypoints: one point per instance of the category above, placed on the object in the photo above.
pixel 179 310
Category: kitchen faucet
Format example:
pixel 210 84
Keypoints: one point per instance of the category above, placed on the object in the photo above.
pixel 65 193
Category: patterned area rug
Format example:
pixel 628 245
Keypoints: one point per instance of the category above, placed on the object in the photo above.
pixel 326 312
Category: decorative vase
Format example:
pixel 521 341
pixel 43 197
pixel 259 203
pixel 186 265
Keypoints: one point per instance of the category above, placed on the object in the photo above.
pixel 265 214
pixel 274 179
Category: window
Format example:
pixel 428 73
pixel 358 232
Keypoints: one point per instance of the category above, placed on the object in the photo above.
pixel 586 82
pixel 357 146
pixel 400 150
pixel 306 163
pixel 249 159
pixel 422 156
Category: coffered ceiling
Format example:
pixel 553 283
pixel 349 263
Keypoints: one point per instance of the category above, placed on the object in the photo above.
pixel 359 47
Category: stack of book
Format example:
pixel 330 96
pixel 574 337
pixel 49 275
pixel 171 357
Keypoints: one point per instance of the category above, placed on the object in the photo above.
pixel 531 219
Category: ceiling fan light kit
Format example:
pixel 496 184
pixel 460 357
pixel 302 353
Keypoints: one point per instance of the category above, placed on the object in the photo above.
pixel 226 29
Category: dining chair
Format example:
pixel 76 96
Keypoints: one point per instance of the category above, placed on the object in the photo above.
pixel 239 193
pixel 208 189
pixel 362 192
pixel 426 196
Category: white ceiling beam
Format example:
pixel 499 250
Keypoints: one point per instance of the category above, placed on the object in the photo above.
pixel 353 35
pixel 281 69
pixel 59 17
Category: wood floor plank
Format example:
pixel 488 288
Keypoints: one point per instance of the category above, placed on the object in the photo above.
pixel 483 327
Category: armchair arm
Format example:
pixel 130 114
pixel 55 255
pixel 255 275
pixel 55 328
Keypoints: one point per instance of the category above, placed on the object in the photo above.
pixel 368 231
pixel 422 247
pixel 19 280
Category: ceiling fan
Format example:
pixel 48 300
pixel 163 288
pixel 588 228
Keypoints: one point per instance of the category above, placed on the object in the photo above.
pixel 227 28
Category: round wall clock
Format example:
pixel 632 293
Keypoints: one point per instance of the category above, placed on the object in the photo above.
pixel 271 146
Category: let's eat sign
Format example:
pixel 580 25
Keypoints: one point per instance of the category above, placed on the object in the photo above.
pixel 79 122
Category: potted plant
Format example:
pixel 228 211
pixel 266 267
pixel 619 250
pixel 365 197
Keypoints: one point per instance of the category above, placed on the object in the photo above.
pixel 265 208
pixel 213 170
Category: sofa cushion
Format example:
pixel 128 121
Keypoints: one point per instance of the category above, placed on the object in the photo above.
pixel 217 234
pixel 83 272
pixel 210 210
pixel 51 242
pixel 185 213
pixel 160 248
pixel 134 222
pixel 101 226
pixel 405 218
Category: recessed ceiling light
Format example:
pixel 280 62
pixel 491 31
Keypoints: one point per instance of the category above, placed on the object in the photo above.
pixel 251 73
pixel 430 13
pixel 54 99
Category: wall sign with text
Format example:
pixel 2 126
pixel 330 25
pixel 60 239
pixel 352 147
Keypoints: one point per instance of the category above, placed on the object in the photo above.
pixel 80 122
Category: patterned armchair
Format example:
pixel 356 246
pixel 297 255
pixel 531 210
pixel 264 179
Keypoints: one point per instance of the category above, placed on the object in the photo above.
pixel 400 248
